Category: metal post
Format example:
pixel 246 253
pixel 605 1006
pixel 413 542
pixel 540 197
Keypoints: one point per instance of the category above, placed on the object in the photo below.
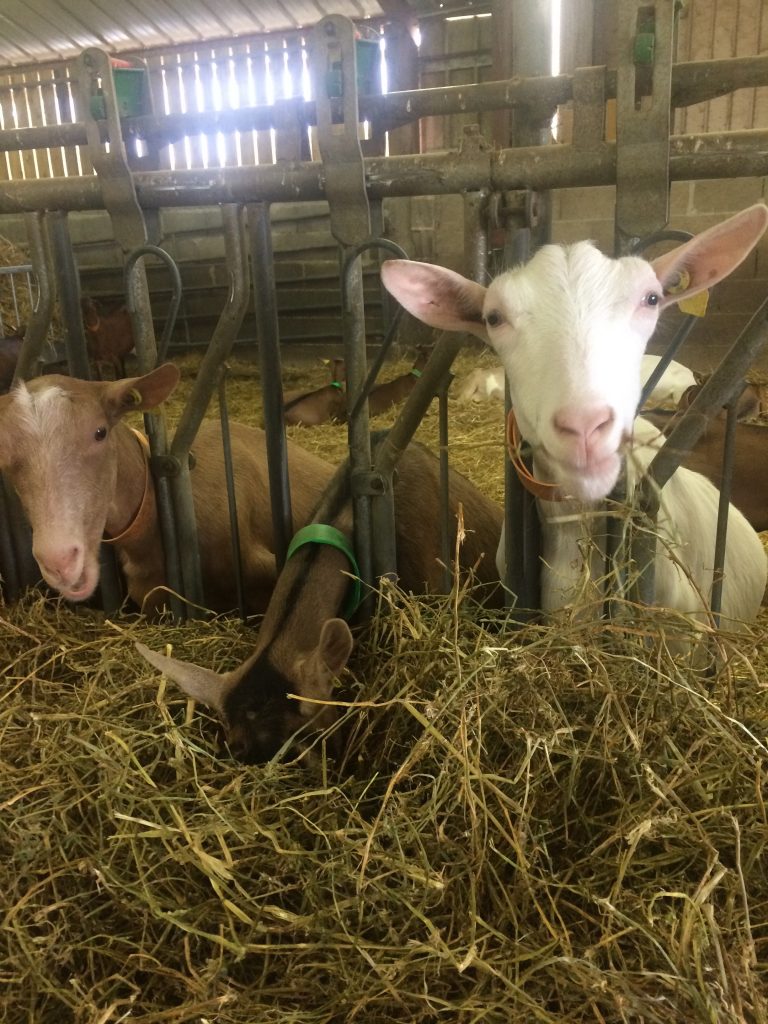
pixel 268 338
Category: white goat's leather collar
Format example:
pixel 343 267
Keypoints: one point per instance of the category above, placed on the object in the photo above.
pixel 143 512
pixel 539 488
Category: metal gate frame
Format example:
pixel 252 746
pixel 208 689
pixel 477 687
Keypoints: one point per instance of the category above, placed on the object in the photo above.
pixel 354 187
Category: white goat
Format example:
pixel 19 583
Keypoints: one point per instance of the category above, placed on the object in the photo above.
pixel 570 328
pixel 485 383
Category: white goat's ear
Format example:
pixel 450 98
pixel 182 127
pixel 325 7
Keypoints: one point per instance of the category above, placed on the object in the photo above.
pixel 437 296
pixel 325 663
pixel 140 393
pixel 712 255
pixel 200 684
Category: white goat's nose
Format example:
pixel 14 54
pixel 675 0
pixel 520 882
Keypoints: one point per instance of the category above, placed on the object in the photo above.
pixel 585 424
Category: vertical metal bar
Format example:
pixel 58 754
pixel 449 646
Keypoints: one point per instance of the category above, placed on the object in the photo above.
pixel 445 488
pixel 645 39
pixel 234 525
pixel 268 339
pixel 39 323
pixel 69 296
pixel 154 425
pixel 219 348
pixel 718 572
pixel 9 569
pixel 522 530
pixel 358 431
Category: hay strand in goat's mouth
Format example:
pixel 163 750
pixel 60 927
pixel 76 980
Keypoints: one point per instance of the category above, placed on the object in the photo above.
pixel 533 826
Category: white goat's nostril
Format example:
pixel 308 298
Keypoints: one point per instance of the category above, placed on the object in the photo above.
pixel 584 422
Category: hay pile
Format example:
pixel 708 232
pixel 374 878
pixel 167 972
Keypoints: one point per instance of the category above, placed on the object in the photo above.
pixel 550 825
pixel 537 827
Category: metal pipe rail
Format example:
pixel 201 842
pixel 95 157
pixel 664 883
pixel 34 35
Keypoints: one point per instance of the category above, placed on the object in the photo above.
pixel 692 82
pixel 709 155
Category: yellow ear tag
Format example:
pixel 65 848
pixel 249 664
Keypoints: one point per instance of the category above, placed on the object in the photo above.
pixel 134 397
pixel 695 305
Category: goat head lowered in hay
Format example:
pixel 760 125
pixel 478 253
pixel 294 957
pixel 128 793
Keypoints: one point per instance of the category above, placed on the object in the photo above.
pixel 82 475
pixel 570 328
pixel 303 643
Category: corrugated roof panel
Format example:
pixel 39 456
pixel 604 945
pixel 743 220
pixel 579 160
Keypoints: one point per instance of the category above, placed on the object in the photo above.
pixel 48 30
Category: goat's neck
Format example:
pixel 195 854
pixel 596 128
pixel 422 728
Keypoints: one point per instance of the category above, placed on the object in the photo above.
pixel 131 480
pixel 310 590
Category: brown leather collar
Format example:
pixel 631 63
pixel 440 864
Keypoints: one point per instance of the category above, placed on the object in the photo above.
pixel 145 509
pixel 539 488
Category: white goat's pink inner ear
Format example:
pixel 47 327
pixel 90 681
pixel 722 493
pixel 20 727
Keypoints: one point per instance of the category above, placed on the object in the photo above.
pixel 435 295
pixel 714 254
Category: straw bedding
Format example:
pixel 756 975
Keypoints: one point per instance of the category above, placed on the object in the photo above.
pixel 546 825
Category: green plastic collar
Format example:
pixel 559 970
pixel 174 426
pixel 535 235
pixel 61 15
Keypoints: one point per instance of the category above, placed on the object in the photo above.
pixel 321 533
pixel 415 372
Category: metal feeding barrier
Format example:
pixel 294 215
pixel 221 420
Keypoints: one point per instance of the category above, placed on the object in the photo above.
pixel 505 190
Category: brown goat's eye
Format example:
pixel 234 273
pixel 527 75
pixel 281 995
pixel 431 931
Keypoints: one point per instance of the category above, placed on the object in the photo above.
pixel 101 433
pixel 494 319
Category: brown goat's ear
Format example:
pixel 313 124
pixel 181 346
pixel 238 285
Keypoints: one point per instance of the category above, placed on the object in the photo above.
pixel 325 663
pixel 137 394
pixel 201 684
pixel 711 255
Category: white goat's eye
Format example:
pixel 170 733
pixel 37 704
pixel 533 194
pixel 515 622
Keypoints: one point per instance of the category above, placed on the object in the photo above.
pixel 652 299
pixel 100 434
pixel 493 319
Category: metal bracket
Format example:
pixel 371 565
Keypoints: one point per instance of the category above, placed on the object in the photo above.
pixel 108 155
pixel 589 95
pixel 334 70
pixel 643 121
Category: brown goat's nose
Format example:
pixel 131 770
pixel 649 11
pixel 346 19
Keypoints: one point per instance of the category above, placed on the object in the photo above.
pixel 61 563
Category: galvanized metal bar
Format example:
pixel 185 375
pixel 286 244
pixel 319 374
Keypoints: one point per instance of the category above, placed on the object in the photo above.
pixel 268 338
pixel 9 571
pixel 39 323
pixel 204 385
pixel 68 289
pixel 718 571
pixel 522 528
pixel 445 487
pixel 135 284
pixel 175 303
pixel 229 474
pixel 642 128
pixel 399 436
pixel 358 428
pixel 389 334
pixel 719 390
pixel 692 82
pixel 714 155
pixel 333 55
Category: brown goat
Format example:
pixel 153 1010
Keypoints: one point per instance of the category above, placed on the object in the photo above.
pixel 321 405
pixel 81 473
pixel 392 392
pixel 303 643
pixel 108 336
